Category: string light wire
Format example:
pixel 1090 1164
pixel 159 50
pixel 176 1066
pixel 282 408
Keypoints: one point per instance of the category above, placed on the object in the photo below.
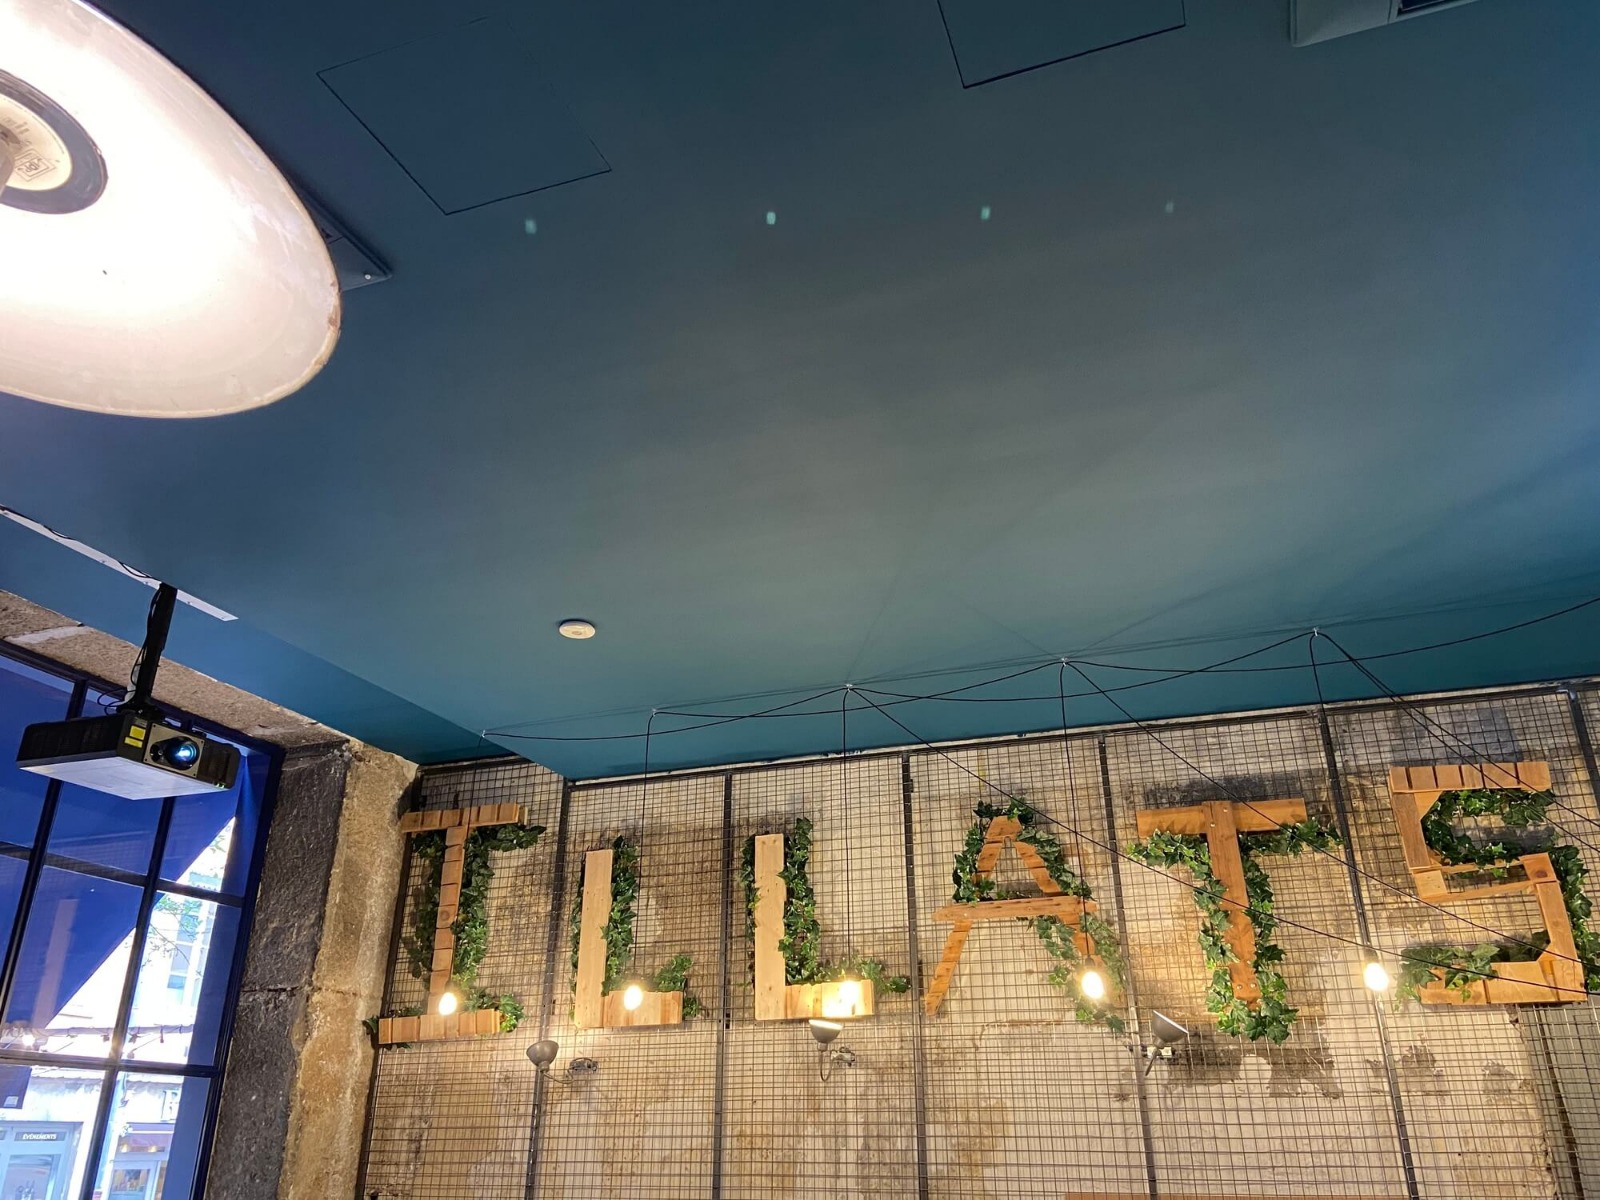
pixel 957 694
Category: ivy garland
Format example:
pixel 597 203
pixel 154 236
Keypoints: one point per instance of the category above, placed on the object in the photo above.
pixel 801 943
pixel 618 933
pixel 1053 932
pixel 1459 967
pixel 471 926
pixel 1272 1016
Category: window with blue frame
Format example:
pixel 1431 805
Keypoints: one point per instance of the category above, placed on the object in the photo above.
pixel 125 923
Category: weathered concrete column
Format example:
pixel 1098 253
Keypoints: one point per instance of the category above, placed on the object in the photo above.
pixel 294 1095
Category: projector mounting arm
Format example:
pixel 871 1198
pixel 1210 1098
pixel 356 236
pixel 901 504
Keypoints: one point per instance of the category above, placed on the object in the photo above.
pixel 143 684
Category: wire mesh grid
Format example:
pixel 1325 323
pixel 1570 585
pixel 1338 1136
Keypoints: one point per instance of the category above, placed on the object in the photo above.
pixel 451 1119
pixel 1002 1093
pixel 1022 1100
pixel 788 1131
pixel 1474 1081
pixel 1309 1116
pixel 1568 1036
pixel 643 1123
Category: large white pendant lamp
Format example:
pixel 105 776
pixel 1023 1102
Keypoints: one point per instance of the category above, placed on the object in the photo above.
pixel 153 261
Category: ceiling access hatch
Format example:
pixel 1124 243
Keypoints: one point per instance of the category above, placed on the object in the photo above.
pixel 993 39
pixel 466 114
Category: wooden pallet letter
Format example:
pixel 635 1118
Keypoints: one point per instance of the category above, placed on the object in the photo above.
pixel 1221 822
pixel 456 823
pixel 1052 902
pixel 776 998
pixel 593 1007
pixel 1557 975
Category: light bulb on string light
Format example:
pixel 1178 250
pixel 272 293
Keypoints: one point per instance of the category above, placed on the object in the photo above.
pixel 448 1002
pixel 849 993
pixel 632 997
pixel 157 263
pixel 1376 976
pixel 1093 985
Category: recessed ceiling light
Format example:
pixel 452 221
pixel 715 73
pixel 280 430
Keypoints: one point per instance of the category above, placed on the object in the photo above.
pixel 156 262
pixel 576 629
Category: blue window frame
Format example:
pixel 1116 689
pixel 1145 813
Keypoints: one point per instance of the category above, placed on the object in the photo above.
pixel 125 924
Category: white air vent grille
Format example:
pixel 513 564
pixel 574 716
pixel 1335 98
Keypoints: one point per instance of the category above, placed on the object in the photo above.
pixel 1319 20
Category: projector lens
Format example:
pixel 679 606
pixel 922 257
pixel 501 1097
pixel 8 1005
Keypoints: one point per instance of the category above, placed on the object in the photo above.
pixel 178 752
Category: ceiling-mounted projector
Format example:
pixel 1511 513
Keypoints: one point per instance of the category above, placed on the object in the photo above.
pixel 133 752
pixel 128 755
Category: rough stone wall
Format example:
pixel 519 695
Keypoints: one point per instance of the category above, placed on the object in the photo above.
pixel 334 1057
pixel 1003 1093
pixel 261 1083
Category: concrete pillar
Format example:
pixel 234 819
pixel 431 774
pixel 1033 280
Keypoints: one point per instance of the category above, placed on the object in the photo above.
pixel 295 1091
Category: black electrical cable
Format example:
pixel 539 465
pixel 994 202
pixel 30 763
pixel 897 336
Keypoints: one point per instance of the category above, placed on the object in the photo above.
pixel 1170 673
pixel 844 800
pixel 625 737
pixel 1460 641
pixel 783 710
pixel 1066 766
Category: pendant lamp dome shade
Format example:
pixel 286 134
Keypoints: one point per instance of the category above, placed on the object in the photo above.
pixel 153 261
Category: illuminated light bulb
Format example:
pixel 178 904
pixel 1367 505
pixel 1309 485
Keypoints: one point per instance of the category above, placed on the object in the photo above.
pixel 632 997
pixel 156 263
pixel 850 995
pixel 1092 985
pixel 448 1003
pixel 1375 976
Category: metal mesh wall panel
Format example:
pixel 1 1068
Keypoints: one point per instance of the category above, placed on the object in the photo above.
pixel 642 1125
pixel 451 1119
pixel 1003 1092
pixel 787 1132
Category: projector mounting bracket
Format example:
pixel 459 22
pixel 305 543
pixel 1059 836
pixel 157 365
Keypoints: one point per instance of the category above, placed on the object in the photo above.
pixel 143 684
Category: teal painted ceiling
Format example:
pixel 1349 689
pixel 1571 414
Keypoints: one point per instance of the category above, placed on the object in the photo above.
pixel 810 365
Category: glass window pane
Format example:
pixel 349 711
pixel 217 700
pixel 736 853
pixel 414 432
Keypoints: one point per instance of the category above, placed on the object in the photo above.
pixel 106 830
pixel 74 961
pixel 152 1138
pixel 209 843
pixel 183 981
pixel 46 1114
pixel 26 696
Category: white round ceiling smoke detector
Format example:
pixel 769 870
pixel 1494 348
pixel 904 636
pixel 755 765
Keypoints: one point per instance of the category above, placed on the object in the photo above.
pixel 577 629
pixel 156 263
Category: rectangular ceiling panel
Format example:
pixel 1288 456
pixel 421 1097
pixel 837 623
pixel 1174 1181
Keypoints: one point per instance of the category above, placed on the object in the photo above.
pixel 996 38
pixel 466 114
